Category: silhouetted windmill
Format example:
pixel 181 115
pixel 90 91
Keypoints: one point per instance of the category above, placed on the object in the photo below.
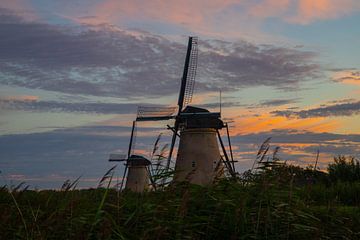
pixel 198 160
pixel 136 168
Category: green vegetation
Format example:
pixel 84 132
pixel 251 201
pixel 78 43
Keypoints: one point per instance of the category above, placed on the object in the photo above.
pixel 274 201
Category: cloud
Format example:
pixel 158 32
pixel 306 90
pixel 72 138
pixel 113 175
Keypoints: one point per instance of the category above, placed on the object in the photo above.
pixel 205 16
pixel 23 98
pixel 13 7
pixel 296 136
pixel 240 64
pixel 216 105
pixel 299 147
pixel 72 152
pixel 107 61
pixel 335 110
pixel 190 13
pixel 309 11
pixel 263 104
pixel 348 76
pixel 31 103
pixel 303 11
pixel 274 103
pixel 259 120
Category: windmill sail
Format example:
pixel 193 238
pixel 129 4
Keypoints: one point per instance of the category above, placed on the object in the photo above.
pixel 189 73
pixel 117 157
pixel 132 139
pixel 154 113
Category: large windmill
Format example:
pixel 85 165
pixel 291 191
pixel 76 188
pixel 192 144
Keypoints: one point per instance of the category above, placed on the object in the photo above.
pixel 198 160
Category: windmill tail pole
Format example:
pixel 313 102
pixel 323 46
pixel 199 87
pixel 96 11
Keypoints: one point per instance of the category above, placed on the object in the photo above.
pixel 231 152
pixel 173 140
pixel 227 161
pixel 317 159
pixel 123 178
pixel 129 153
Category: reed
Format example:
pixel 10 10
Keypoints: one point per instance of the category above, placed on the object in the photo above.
pixel 274 201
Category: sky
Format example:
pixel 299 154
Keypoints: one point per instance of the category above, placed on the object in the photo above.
pixel 72 74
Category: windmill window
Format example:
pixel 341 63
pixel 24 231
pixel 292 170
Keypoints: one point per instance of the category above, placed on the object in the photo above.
pixel 193 163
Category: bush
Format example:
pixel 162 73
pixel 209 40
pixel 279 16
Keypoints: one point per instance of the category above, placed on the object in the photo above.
pixel 345 169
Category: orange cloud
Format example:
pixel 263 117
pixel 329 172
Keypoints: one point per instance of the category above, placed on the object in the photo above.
pixel 324 126
pixel 23 98
pixel 266 122
pixel 347 76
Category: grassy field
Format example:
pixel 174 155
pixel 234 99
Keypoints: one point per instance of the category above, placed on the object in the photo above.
pixel 276 201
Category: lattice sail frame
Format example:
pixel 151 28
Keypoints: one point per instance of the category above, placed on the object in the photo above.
pixel 191 74
pixel 155 111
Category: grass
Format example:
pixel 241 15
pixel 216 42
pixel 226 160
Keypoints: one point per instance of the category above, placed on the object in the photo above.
pixel 263 209
pixel 272 201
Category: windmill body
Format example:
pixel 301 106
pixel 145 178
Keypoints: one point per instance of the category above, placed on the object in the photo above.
pixel 136 168
pixel 138 174
pixel 198 160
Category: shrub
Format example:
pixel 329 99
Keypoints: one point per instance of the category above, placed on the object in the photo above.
pixel 346 169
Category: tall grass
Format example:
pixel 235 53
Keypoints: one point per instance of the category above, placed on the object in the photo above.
pixel 274 201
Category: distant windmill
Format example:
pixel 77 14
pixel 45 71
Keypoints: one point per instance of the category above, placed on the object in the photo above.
pixel 136 168
pixel 198 160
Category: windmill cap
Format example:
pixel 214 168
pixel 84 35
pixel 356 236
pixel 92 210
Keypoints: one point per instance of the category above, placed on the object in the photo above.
pixel 191 109
pixel 195 117
pixel 137 160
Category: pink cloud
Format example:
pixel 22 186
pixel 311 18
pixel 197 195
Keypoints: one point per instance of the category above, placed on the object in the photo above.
pixel 269 8
pixel 14 5
pixel 304 11
pixel 209 16
pixel 184 12
pixel 21 7
pixel 310 10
